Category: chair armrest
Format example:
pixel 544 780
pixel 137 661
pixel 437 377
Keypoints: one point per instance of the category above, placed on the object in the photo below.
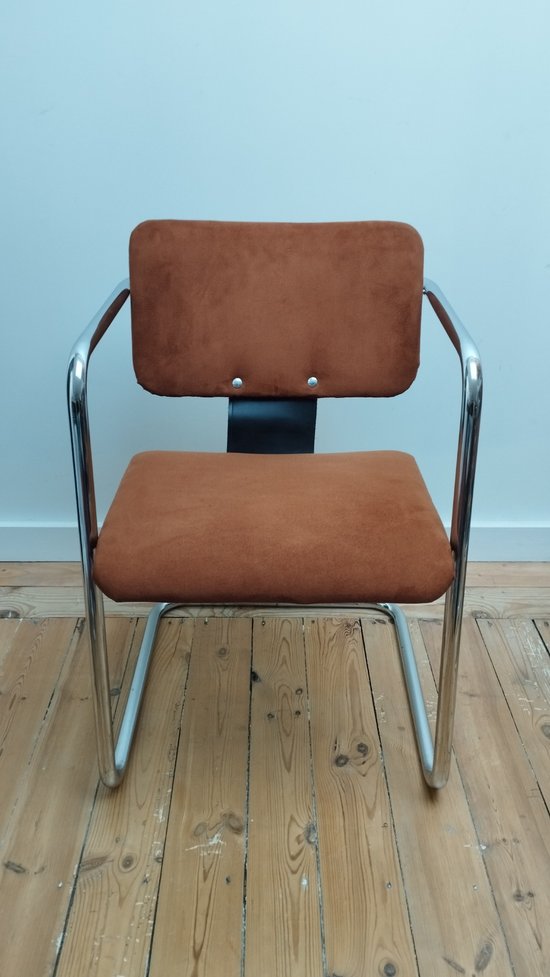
pixel 472 388
pixel 455 329
pixel 77 376
pixel 93 333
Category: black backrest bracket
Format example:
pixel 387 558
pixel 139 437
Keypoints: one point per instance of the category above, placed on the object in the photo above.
pixel 272 426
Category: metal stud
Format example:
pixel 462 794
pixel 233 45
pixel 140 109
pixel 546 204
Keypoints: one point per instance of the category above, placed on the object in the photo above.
pixel 237 382
pixel 312 382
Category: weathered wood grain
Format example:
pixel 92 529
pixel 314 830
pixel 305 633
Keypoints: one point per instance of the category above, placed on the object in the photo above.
pixel 198 929
pixel 63 574
pixel 474 858
pixel 521 660
pixel 366 924
pixel 38 602
pixel 29 673
pixel 41 846
pixel 455 924
pixel 507 807
pixel 8 630
pixel 283 937
pixel 111 921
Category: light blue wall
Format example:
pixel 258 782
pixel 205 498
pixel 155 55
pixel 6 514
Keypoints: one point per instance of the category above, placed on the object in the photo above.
pixel 432 113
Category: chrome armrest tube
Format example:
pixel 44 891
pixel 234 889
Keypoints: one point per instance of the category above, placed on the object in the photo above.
pixel 472 388
pixel 77 397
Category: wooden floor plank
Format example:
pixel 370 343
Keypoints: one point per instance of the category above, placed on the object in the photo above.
pixel 34 657
pixel 479 574
pixel 493 602
pixel 8 630
pixel 43 839
pixel 283 937
pixel 111 920
pixel 474 858
pixel 198 929
pixel 488 602
pixel 543 627
pixel 366 922
pixel 455 924
pixel 521 661
pixel 524 574
pixel 507 807
pixel 60 574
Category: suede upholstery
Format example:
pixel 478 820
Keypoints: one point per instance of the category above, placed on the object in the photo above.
pixel 275 304
pixel 201 527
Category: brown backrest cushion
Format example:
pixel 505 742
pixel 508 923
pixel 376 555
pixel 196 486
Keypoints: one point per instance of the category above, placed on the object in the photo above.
pixel 275 304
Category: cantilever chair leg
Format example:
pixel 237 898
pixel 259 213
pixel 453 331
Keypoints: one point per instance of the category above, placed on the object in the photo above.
pixel 113 759
pixel 434 752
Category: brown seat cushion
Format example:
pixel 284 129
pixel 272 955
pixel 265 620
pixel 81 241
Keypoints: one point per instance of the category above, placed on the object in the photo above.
pixel 198 527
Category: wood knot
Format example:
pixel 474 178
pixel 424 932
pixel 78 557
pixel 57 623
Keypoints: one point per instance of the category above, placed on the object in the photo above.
pixel 454 965
pixel 15 867
pixel 310 834
pixel 484 956
pixel 128 862
pixel 299 691
pixel 363 749
pixel 234 823
pixel 341 760
pixel 222 652
pixel 389 970
pixel 520 896
pixel 546 730
pixel 254 676
pixel 91 864
pixel 271 715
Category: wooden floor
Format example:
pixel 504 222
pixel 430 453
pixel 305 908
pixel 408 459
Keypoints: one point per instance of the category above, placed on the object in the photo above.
pixel 274 822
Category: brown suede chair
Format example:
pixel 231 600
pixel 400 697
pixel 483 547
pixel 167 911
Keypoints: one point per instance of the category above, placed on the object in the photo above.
pixel 273 316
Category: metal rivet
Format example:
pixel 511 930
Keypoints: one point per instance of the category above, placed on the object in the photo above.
pixel 312 382
pixel 237 382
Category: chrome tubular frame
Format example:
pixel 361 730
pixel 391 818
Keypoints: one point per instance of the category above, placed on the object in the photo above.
pixel 112 762
pixel 435 753
pixel 436 759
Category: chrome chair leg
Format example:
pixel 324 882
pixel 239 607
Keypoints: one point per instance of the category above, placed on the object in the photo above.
pixel 101 689
pixel 112 759
pixel 434 752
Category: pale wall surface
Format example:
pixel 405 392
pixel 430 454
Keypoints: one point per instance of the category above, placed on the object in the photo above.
pixel 118 111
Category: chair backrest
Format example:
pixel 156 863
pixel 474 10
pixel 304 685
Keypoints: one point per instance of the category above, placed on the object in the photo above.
pixel 275 306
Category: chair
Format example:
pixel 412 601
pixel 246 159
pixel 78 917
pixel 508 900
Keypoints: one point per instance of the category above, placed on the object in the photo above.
pixel 273 316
